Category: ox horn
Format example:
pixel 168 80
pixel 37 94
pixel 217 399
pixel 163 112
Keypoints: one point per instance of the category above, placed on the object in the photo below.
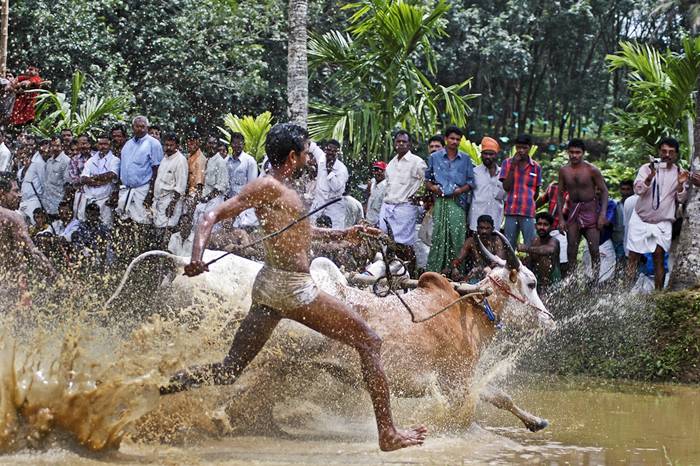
pixel 512 261
pixel 488 255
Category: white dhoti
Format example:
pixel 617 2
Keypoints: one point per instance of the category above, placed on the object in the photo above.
pixel 643 237
pixel 402 221
pixel 82 200
pixel 563 244
pixel 28 207
pixel 131 204
pixel 608 261
pixel 160 205
pixel 204 207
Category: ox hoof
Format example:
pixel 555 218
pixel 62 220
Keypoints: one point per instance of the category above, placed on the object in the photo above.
pixel 537 425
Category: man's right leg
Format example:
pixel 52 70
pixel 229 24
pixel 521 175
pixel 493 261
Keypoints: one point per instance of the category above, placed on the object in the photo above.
pixel 251 336
pixel 573 236
pixel 511 230
pixel 334 319
pixel 632 265
pixel 659 269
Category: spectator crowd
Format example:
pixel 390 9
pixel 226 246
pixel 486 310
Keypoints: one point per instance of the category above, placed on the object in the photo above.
pixel 79 195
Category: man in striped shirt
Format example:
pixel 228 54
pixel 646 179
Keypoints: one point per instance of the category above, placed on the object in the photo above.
pixel 522 178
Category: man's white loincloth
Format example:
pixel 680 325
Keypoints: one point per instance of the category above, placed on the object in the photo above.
pixel 283 290
pixel 643 237
pixel 160 205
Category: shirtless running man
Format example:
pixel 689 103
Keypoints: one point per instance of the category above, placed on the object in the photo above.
pixel 284 289
pixel 580 179
pixel 18 252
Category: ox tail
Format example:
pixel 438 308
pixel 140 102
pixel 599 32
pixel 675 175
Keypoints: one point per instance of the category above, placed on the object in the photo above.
pixel 181 261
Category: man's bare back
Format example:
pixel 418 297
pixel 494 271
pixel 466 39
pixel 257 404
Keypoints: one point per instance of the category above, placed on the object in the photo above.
pixel 284 289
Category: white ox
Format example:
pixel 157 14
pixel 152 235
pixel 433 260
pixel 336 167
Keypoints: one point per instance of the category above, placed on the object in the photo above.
pixel 444 349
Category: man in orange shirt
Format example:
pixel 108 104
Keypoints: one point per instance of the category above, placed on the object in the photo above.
pixel 197 164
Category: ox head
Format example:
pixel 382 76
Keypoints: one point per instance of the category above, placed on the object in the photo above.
pixel 516 280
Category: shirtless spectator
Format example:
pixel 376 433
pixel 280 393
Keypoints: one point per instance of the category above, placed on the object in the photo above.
pixel 580 179
pixel 284 288
pixel 543 254
pixel 470 265
pixel 19 254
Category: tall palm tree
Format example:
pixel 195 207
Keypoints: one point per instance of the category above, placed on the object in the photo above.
pixel 297 66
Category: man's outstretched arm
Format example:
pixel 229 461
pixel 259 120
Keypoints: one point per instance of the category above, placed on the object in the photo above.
pixel 252 195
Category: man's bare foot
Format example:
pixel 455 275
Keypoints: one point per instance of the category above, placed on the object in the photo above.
pixel 394 439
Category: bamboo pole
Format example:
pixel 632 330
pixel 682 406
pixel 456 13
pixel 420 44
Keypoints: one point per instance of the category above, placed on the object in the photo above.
pixel 4 17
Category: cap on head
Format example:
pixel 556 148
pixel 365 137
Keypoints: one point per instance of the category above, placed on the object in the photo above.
pixel 379 164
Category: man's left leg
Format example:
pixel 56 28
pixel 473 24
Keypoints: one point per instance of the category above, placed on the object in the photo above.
pixel 593 238
pixel 527 226
pixel 251 336
pixel 659 269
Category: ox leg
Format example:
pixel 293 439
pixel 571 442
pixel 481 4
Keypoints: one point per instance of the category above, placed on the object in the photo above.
pixel 502 400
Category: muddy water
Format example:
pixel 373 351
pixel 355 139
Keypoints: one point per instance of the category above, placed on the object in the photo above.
pixel 592 422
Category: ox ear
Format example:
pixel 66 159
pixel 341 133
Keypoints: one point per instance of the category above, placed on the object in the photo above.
pixel 513 275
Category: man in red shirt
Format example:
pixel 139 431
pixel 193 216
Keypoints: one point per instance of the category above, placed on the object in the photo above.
pixel 24 109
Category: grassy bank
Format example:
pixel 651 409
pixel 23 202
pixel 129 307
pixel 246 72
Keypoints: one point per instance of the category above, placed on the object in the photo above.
pixel 619 335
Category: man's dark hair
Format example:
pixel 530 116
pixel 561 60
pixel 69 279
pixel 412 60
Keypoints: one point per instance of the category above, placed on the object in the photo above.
pixel 453 130
pixel 85 135
pixel 56 137
pixel 171 136
pixel 43 141
pixel 238 136
pixel 28 137
pixel 194 135
pixel 545 215
pixel 92 207
pixel 525 139
pixel 627 182
pixel 6 180
pixel 118 127
pixel 485 219
pixel 576 143
pixel 403 131
pixel 155 127
pixel 39 211
pixel 67 129
pixel 65 204
pixel 282 139
pixel 437 138
pixel 332 142
pixel 669 142
pixel 103 136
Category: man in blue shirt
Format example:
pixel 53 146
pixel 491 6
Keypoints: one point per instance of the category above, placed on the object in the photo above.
pixel 450 177
pixel 140 158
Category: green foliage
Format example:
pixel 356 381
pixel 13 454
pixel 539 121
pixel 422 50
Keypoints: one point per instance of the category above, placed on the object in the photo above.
pixel 55 112
pixel 660 86
pixel 378 82
pixel 472 149
pixel 254 131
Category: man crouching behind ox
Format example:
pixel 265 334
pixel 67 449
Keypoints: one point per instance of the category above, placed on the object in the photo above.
pixel 284 289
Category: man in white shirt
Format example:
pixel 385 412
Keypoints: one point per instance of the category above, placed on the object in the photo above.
pixel 181 241
pixel 98 181
pixel 216 183
pixel 405 174
pixel 331 180
pixel 5 155
pixel 242 169
pixel 57 175
pixel 171 184
pixel 488 194
pixel 377 190
pixel 33 183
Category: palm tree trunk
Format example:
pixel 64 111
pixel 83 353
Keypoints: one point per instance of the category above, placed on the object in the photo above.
pixel 4 17
pixel 297 67
pixel 686 271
